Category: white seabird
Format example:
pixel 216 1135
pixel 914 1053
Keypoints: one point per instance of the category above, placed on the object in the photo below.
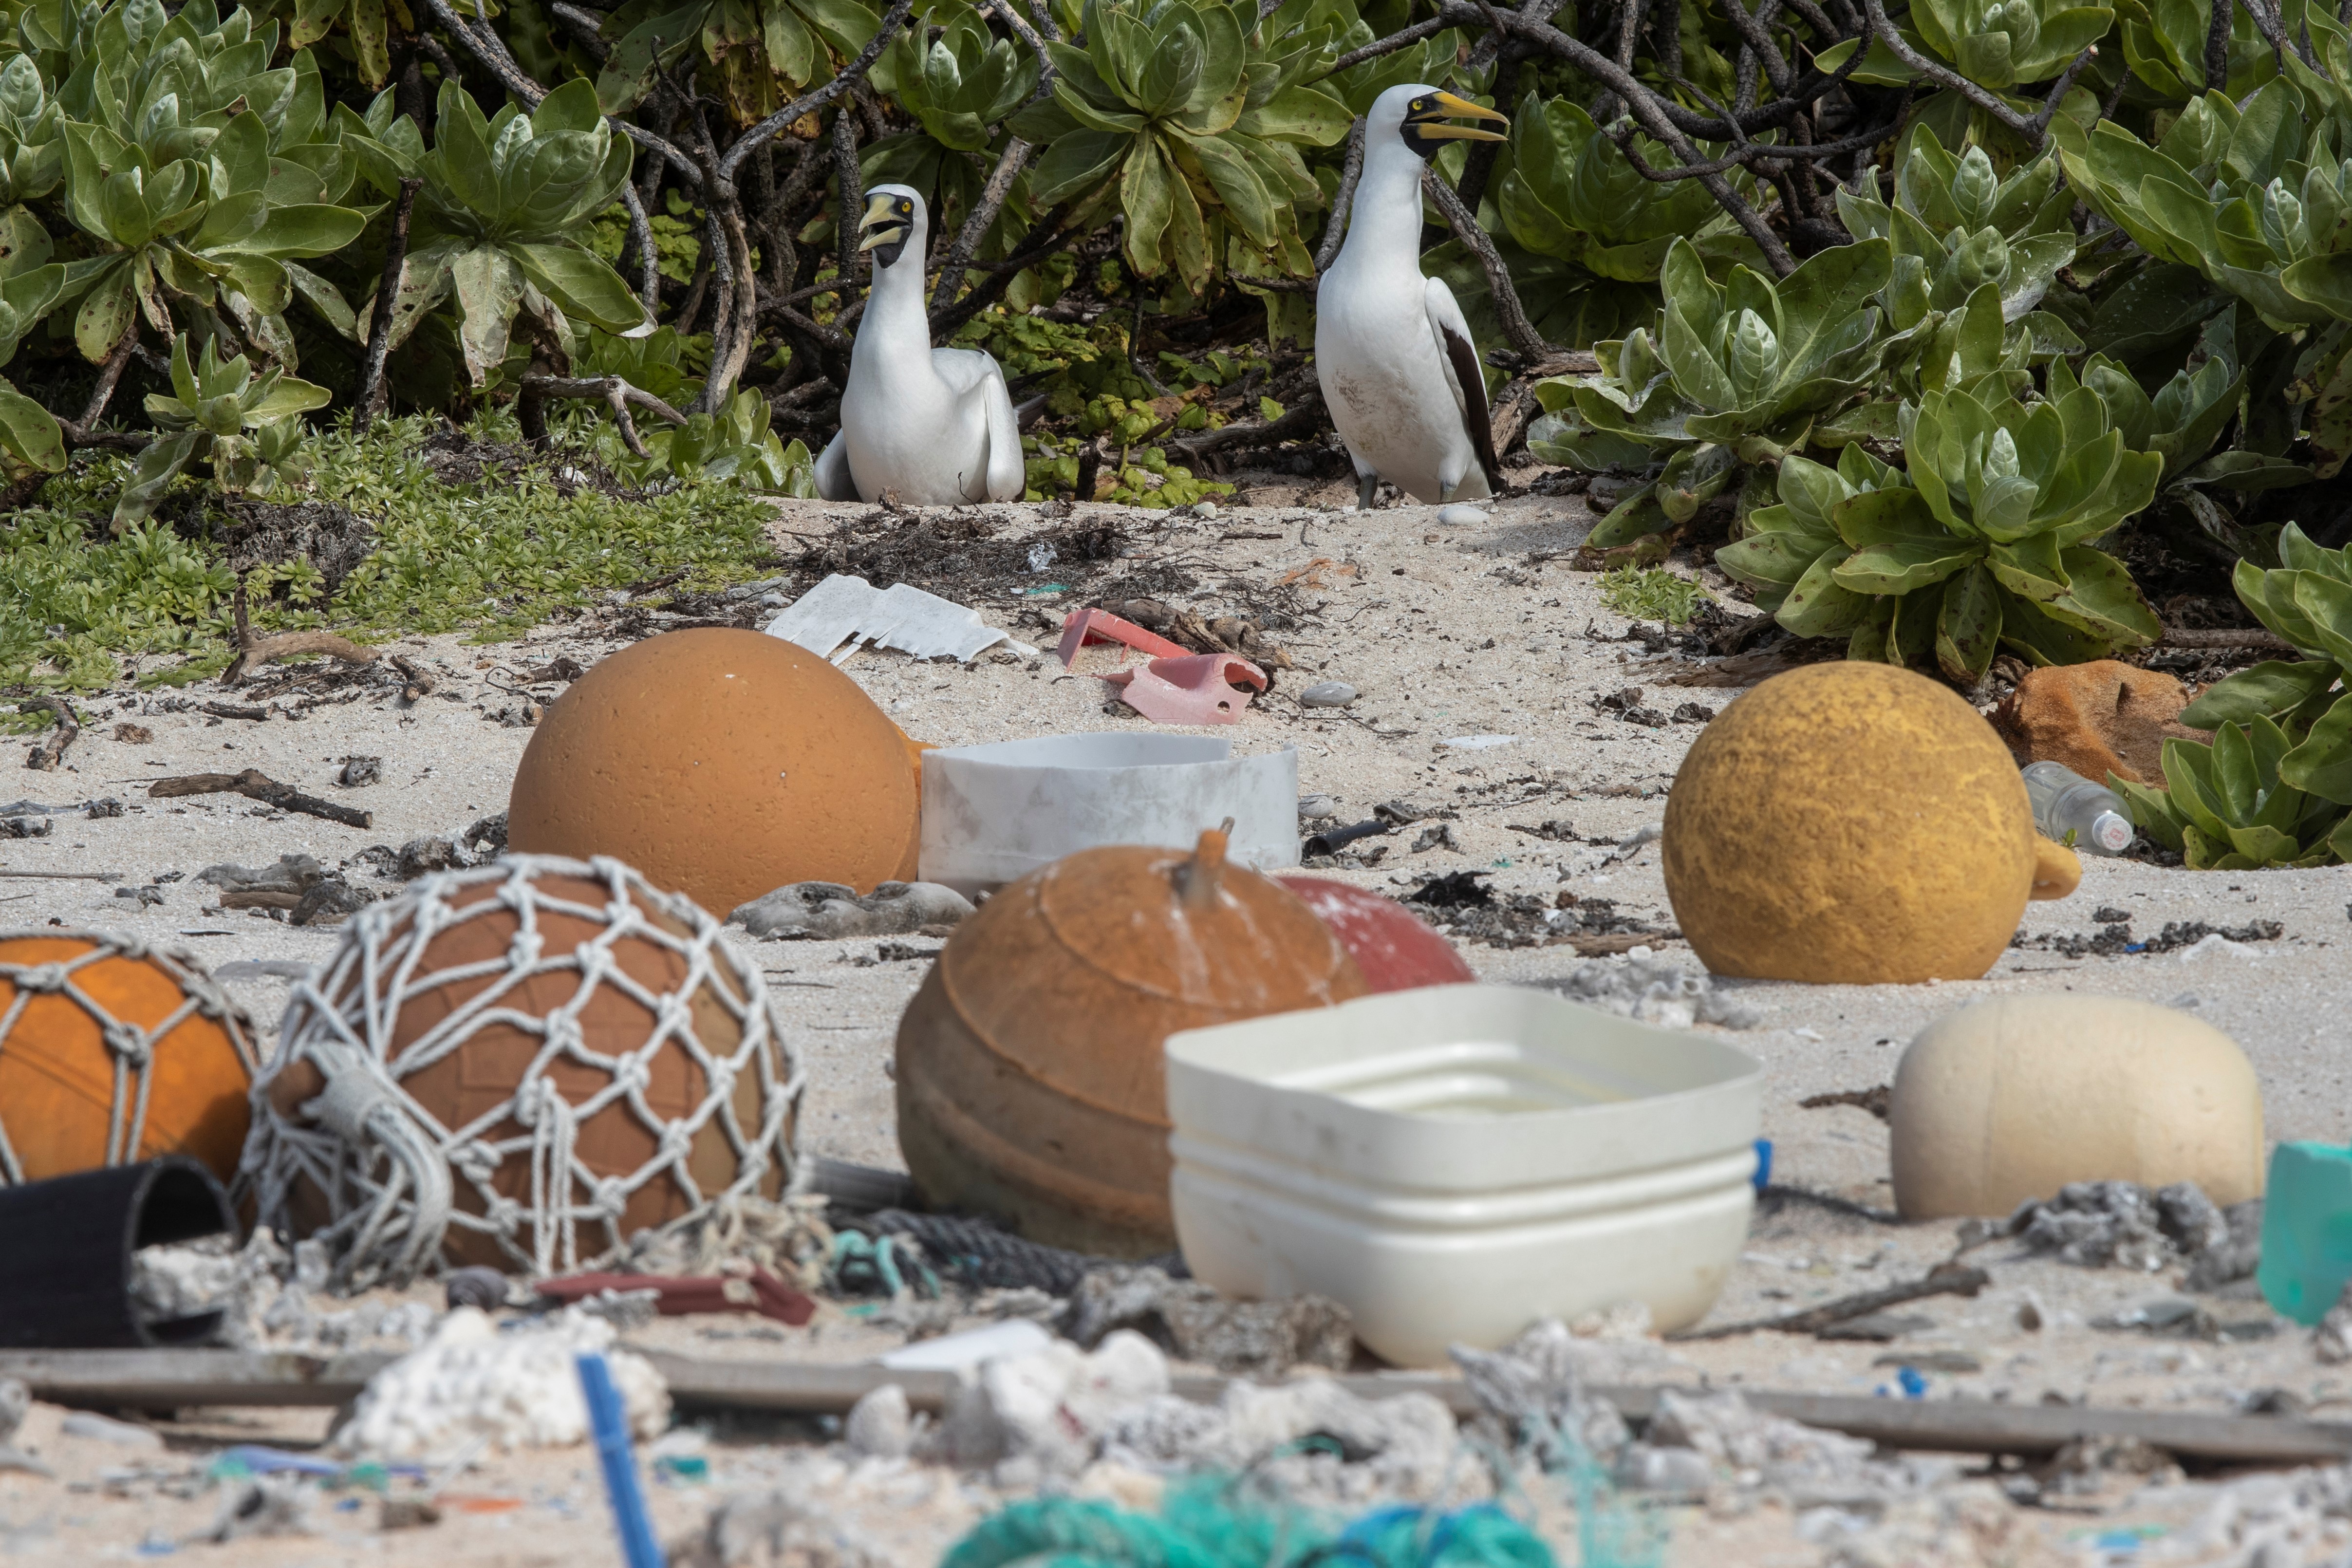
pixel 1398 371
pixel 932 426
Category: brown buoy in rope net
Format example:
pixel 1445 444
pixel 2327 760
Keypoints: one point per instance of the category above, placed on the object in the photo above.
pixel 1030 1081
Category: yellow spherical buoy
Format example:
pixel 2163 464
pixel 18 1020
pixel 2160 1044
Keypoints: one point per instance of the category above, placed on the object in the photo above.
pixel 1853 824
pixel 723 764
pixel 2012 1099
pixel 112 1052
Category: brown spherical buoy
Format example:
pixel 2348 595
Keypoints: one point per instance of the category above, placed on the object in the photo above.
pixel 1853 824
pixel 566 1035
pixel 723 764
pixel 1030 1085
pixel 112 1052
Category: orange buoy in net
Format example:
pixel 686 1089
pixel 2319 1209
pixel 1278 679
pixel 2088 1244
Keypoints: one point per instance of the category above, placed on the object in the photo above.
pixel 114 1051
pixel 1030 1080
pixel 522 1066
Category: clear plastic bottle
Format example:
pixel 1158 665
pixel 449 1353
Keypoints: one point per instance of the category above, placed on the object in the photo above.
pixel 2065 802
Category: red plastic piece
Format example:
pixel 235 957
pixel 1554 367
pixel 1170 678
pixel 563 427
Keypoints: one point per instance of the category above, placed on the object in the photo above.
pixel 1195 689
pixel 1082 627
pixel 1389 942
pixel 684 1294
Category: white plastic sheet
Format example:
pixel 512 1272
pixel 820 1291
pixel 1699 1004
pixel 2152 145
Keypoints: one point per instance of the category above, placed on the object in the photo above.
pixel 845 614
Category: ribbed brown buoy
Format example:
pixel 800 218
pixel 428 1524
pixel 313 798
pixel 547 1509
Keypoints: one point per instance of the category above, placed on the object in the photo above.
pixel 1029 1074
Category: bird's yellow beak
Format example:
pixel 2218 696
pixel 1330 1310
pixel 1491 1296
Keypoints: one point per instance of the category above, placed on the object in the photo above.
pixel 1429 115
pixel 886 216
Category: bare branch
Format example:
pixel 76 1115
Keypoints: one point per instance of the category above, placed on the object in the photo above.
pixel 1522 333
pixel 1390 45
pixel 852 73
pixel 1335 232
pixel 983 213
pixel 83 432
pixel 487 47
pixel 387 302
pixel 641 233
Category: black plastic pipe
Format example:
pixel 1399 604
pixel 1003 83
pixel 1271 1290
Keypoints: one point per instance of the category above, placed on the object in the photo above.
pixel 65 1246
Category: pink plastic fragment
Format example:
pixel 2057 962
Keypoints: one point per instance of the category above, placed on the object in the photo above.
pixel 1191 689
pixel 1084 626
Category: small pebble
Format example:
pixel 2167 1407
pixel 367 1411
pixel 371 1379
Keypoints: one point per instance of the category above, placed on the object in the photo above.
pixel 1328 694
pixel 1459 515
pixel 1206 510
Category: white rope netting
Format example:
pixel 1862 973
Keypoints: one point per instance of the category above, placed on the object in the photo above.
pixel 387 1167
pixel 129 1046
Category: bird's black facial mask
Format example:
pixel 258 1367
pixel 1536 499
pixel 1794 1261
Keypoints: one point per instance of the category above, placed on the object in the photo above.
pixel 889 221
pixel 1426 129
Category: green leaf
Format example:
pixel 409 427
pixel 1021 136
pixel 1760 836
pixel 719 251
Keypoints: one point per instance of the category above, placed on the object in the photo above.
pixel 2272 688
pixel 1817 606
pixel 489 291
pixel 29 433
pixel 583 285
pixel 152 473
pixel 1968 630
pixel 107 311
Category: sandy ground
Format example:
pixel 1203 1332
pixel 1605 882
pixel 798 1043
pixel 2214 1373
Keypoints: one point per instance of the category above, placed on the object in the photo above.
pixel 1448 632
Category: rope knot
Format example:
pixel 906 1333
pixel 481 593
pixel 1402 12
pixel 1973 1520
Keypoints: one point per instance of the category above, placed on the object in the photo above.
pixel 41 979
pixel 128 1041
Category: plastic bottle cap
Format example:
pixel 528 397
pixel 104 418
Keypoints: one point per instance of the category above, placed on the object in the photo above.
pixel 2111 832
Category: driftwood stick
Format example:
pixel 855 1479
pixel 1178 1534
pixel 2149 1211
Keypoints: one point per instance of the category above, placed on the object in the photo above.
pixel 2252 636
pixel 45 756
pixel 1944 1280
pixel 62 876
pixel 255 785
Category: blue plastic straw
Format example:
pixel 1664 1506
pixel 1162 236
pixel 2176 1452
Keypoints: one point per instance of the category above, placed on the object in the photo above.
pixel 611 1425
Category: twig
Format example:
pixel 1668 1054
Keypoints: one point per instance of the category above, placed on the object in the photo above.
pixel 849 179
pixel 62 876
pixel 419 681
pixel 1336 231
pixel 641 234
pixel 1303 418
pixel 851 74
pixel 1405 39
pixel 387 299
pixel 983 214
pixel 614 393
pixel 45 756
pixel 1944 1280
pixel 1513 315
pixel 2176 636
pixel 254 786
pixel 83 432
pixel 294 645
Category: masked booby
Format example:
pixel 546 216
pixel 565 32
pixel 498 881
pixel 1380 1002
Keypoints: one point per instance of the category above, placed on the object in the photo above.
pixel 933 426
pixel 1398 371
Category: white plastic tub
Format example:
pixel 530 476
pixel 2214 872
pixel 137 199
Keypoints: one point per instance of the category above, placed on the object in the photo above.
pixel 1453 1163
pixel 993 814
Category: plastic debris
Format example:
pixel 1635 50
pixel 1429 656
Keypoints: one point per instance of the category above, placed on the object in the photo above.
pixel 1650 990
pixel 1328 694
pixel 516 1390
pixel 106 1429
pixel 608 1419
pixel 832 910
pixel 2076 812
pixel 995 812
pixel 843 609
pixel 1478 743
pixel 1092 626
pixel 2306 1256
pixel 674 1296
pixel 1195 689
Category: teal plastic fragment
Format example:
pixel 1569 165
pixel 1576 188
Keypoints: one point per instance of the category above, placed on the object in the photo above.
pixel 2306 1230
